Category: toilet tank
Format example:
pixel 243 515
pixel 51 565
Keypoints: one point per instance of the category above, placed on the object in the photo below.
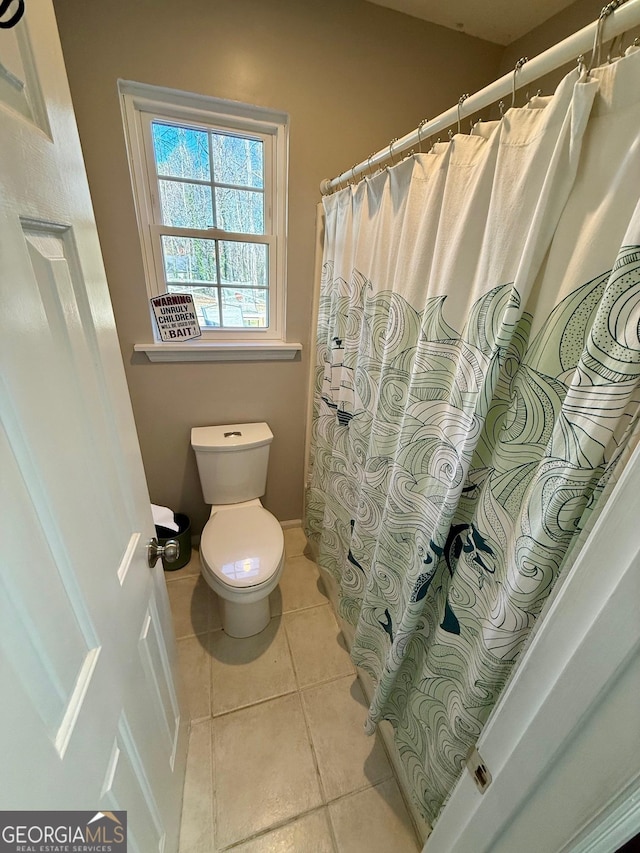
pixel 232 461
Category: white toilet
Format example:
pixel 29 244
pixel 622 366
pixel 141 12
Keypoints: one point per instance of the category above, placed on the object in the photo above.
pixel 242 544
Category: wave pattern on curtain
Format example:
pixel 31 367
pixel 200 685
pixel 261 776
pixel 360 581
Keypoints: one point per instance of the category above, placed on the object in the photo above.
pixel 477 375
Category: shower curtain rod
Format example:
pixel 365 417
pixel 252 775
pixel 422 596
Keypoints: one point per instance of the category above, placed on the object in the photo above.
pixel 624 18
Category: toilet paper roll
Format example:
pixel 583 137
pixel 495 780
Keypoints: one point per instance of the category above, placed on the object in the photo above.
pixel 163 517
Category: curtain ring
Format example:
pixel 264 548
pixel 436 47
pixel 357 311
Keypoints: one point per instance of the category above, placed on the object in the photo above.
pixel 369 163
pixel 517 68
pixel 420 126
pixel 622 38
pixel 450 133
pixel 582 65
pixel 353 181
pixel 395 139
pixel 461 101
pixel 501 108
pixel 597 41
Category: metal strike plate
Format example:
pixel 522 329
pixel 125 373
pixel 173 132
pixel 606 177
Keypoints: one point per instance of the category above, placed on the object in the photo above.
pixel 478 770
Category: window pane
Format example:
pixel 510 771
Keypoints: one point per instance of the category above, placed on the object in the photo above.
pixel 245 307
pixel 186 205
pixel 240 210
pixel 181 152
pixel 237 160
pixel 186 259
pixel 244 263
pixel 206 301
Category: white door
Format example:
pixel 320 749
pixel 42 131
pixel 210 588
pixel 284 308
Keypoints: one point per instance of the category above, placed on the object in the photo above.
pixel 89 716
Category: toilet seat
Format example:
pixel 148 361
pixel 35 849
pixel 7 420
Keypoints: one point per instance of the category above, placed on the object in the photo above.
pixel 242 547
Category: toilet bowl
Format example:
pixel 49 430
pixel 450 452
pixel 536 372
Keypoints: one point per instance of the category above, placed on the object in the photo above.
pixel 242 558
pixel 242 544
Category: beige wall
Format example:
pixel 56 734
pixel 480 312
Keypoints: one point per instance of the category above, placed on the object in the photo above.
pixel 350 74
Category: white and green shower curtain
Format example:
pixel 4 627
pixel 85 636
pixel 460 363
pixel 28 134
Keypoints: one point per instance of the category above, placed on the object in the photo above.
pixel 477 377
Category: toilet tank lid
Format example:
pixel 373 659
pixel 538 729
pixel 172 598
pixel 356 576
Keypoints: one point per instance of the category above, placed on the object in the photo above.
pixel 230 437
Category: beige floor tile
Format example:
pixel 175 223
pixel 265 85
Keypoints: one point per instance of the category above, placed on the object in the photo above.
pixel 300 586
pixel 348 759
pixel 194 664
pixel 308 834
pixel 196 830
pixel 317 646
pixel 375 821
pixel 250 670
pixel 265 772
pixel 192 568
pixel 294 541
pixel 194 607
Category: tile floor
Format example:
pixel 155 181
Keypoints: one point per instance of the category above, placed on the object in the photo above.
pixel 278 759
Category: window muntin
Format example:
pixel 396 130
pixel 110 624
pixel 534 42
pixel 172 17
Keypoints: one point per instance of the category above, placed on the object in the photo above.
pixel 228 279
pixel 212 181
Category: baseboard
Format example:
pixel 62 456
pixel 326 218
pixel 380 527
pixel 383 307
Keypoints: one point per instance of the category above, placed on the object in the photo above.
pixel 294 522
pixel 423 829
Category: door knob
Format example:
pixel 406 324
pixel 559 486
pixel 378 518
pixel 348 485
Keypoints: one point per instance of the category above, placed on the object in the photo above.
pixel 170 551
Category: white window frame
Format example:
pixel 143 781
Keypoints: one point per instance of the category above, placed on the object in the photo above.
pixel 141 104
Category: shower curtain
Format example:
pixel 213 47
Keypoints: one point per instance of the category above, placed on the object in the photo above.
pixel 477 377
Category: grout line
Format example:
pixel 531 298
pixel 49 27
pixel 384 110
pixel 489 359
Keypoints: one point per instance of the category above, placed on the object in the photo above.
pixel 196 721
pixel 208 651
pixel 332 831
pixel 306 721
pixel 191 636
pixel 255 704
pixel 290 650
pixel 313 684
pixel 214 826
pixel 178 577
pixel 302 609
pixel 264 700
pixel 361 789
pixel 314 756
pixel 419 843
pixel 263 832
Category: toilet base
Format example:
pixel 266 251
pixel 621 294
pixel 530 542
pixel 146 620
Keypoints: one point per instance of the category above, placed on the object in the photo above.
pixel 245 620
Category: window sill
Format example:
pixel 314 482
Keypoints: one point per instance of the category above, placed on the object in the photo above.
pixel 221 351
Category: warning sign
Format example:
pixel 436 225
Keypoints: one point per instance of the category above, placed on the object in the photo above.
pixel 176 317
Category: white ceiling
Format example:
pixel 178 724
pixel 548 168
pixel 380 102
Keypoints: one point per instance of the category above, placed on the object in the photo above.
pixel 500 21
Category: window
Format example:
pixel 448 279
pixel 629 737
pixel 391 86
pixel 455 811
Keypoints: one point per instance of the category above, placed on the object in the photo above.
pixel 209 181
